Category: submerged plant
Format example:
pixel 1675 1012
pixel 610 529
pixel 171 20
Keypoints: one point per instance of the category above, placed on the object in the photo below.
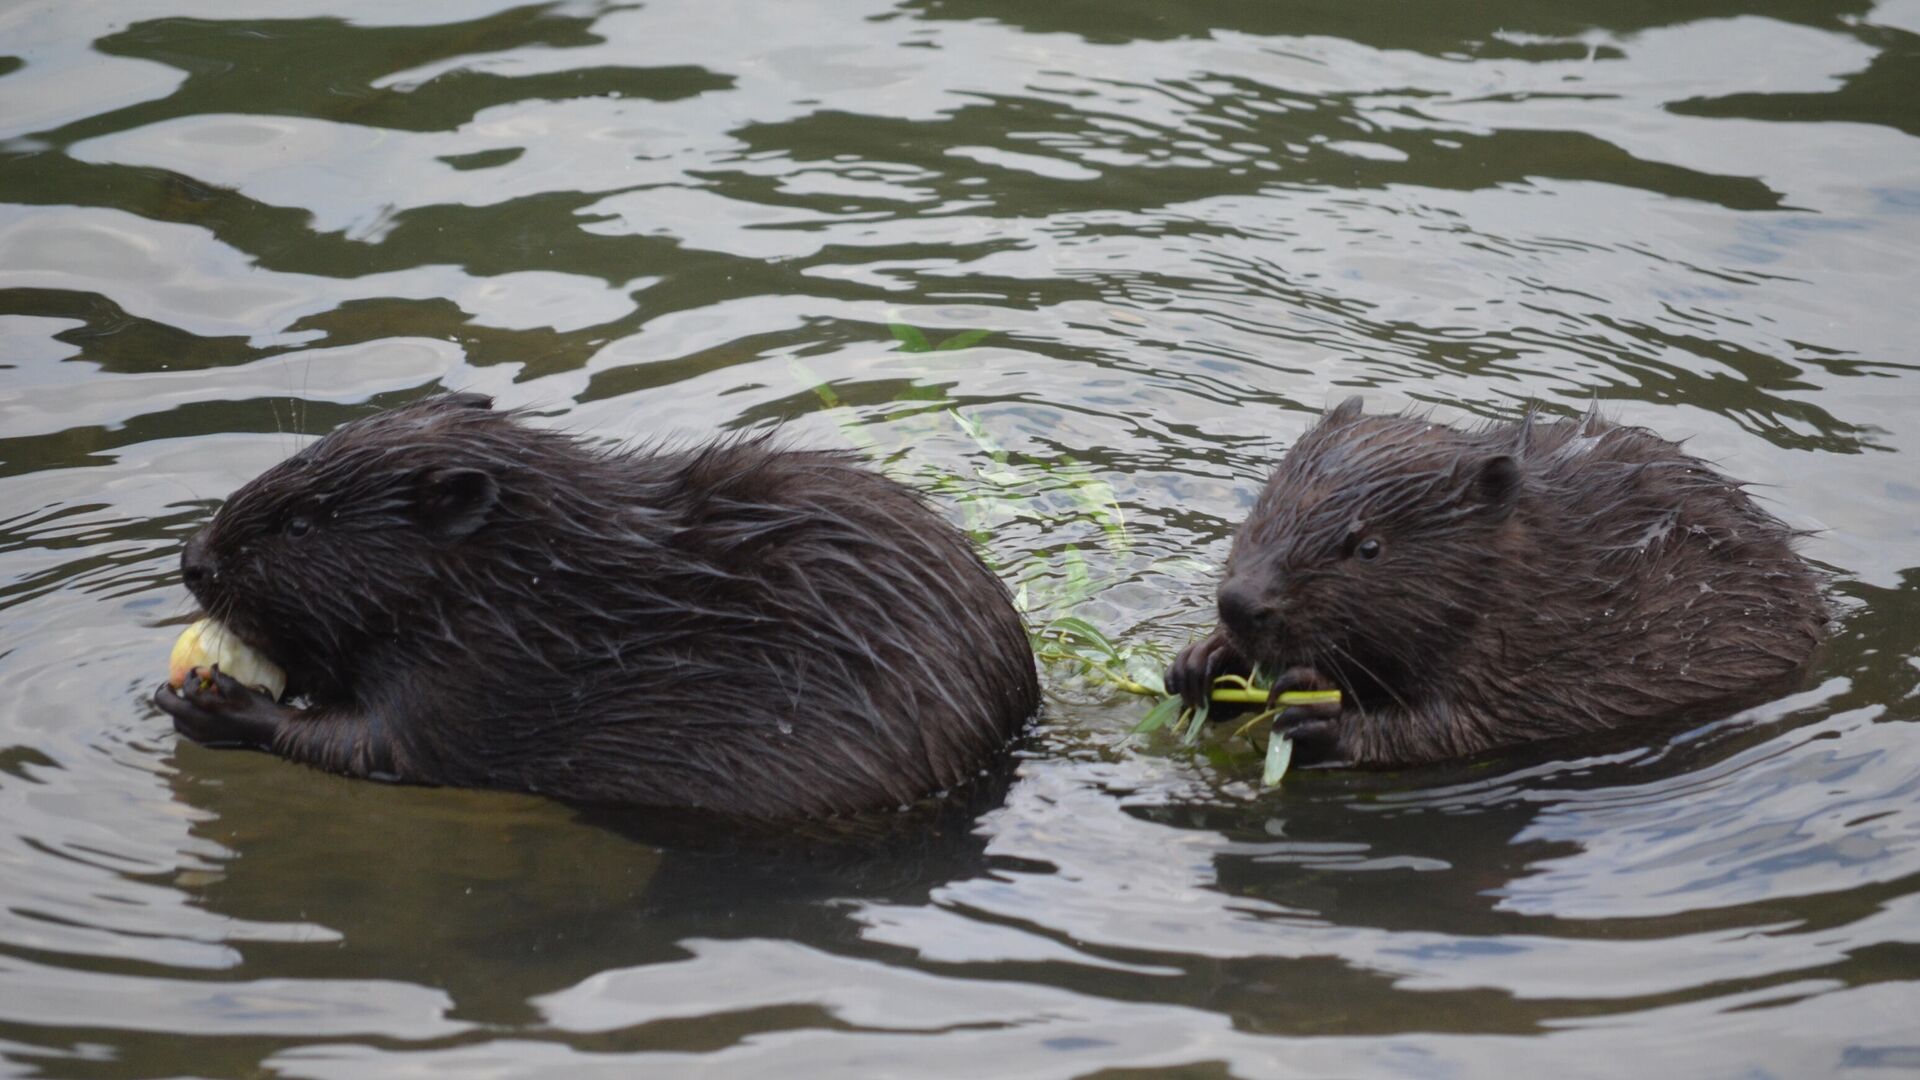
pixel 1015 487
pixel 913 340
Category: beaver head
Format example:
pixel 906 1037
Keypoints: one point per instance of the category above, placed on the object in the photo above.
pixel 332 548
pixel 1372 550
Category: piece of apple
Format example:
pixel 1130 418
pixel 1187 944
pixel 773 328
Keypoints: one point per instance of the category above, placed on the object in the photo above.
pixel 208 642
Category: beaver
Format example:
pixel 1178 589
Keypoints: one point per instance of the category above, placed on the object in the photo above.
pixel 1467 589
pixel 464 599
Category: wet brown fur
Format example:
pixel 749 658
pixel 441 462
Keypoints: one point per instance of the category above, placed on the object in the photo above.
pixel 1534 579
pixel 470 600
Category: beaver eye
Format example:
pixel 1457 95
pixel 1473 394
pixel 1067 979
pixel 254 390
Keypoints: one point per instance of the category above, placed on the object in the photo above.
pixel 299 525
pixel 1369 549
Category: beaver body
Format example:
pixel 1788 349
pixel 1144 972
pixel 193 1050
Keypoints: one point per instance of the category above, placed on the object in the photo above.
pixel 467 600
pixel 1468 589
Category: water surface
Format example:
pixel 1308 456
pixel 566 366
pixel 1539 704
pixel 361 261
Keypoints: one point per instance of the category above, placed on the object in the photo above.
pixel 1183 229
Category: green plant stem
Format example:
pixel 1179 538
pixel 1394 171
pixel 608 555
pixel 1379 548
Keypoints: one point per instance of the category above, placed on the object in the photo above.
pixel 1233 695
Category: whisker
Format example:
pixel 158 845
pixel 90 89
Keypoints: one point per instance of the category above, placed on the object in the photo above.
pixel 1370 674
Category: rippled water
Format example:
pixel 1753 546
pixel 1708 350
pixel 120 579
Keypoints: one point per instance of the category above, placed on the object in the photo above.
pixel 1186 227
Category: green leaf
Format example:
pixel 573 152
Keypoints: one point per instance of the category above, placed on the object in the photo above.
pixel 911 340
pixel 1198 725
pixel 1079 583
pixel 964 339
pixel 1279 756
pixel 978 512
pixel 1157 717
pixel 812 380
pixel 848 423
pixel 1150 677
pixel 1097 499
pixel 978 433
pixel 1086 632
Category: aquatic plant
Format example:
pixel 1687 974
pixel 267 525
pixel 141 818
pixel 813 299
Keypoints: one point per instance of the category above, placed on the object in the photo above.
pixel 1048 592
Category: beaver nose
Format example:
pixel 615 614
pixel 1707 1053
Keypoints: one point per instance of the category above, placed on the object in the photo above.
pixel 197 567
pixel 1245 611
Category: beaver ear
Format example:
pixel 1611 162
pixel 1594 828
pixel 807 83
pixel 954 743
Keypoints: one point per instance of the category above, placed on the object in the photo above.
pixel 465 400
pixel 1349 409
pixel 1496 484
pixel 454 503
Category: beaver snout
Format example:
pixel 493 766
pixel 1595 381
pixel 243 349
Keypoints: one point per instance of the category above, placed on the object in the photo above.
pixel 198 569
pixel 1246 612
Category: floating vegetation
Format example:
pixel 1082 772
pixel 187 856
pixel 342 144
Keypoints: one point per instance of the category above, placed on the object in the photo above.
pixel 913 340
pixel 1012 487
pixel 1074 642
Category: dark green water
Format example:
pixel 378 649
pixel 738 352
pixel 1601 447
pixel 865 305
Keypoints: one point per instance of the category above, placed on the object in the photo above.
pixel 1187 227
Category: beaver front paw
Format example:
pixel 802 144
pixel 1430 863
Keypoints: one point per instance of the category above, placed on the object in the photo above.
pixel 1193 671
pixel 1315 742
pixel 214 709
pixel 1299 678
pixel 1314 729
